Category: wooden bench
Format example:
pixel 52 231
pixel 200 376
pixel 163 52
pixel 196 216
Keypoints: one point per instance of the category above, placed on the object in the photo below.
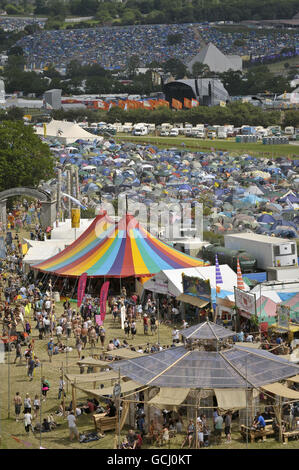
pixel 256 433
pixel 289 435
pixel 104 423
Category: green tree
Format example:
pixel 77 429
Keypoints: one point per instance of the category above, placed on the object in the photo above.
pixel 200 70
pixel 24 159
pixel 175 67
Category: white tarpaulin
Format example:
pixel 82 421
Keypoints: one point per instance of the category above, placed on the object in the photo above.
pixel 230 398
pixel 169 281
pixel 67 132
pixel 170 396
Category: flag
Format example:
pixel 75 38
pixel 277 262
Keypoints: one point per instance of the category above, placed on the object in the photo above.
pixel 81 288
pixel 176 104
pixel 187 103
pixel 218 274
pixel 45 129
pixel 74 200
pixel 194 103
pixel 240 283
pixel 103 299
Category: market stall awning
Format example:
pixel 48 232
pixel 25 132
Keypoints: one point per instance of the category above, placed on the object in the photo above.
pixel 192 300
pixel 230 398
pixel 94 377
pixel 283 329
pixel 281 390
pixel 126 387
pixel 118 250
pixel 170 396
pixel 90 361
pixel 294 379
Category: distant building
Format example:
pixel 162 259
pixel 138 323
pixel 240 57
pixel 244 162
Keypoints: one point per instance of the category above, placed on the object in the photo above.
pixel 208 91
pixel 217 62
pixel 52 99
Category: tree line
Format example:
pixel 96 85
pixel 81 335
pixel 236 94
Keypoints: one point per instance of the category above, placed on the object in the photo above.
pixel 237 114
pixel 153 11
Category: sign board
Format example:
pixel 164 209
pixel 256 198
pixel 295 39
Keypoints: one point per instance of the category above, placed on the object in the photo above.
pixel 76 218
pixel 2 248
pixel 245 301
pixel 283 316
pixel 196 286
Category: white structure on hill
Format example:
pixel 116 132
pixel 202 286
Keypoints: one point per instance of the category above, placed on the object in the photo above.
pixel 217 62
pixel 66 132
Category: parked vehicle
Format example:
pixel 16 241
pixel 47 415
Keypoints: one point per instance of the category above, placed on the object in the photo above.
pixel 226 256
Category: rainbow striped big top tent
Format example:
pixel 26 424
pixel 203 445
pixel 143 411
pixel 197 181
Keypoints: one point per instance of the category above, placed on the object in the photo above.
pixel 121 249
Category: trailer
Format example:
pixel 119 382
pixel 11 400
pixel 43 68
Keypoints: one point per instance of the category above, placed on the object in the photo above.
pixel 269 252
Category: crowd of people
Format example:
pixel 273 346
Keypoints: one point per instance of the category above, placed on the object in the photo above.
pixel 115 45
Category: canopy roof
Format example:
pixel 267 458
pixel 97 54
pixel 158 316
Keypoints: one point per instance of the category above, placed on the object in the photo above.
pixel 237 367
pixel 206 330
pixel 119 249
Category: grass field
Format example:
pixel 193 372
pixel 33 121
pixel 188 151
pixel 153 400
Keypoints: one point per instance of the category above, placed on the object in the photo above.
pixel 59 438
pixel 13 378
pixel 256 149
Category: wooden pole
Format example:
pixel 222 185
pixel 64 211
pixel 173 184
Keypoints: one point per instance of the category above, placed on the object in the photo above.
pixel 74 403
pixel 63 400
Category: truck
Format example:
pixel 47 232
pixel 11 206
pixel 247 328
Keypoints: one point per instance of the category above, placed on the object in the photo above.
pixel 228 256
pixel 270 252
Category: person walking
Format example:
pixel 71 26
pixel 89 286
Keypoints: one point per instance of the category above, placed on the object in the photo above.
pixel 72 426
pixel 227 426
pixel 31 366
pixel 18 405
pixel 50 347
pixel 18 352
pixel 218 428
pixel 102 334
pixel 28 422
pixel 27 404
pixel 61 388
pixel 36 406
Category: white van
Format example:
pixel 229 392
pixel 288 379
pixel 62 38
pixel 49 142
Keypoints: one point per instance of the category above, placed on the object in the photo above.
pixel 140 131
pixel 174 132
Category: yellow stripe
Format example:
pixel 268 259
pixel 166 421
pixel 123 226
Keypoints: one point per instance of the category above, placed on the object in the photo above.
pixel 139 266
pixel 92 259
pixel 81 245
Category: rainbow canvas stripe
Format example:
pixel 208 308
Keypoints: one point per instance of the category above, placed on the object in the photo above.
pixel 118 250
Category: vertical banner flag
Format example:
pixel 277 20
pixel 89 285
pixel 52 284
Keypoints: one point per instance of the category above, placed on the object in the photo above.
pixel 103 299
pixel 240 283
pixel 76 218
pixel 81 288
pixel 45 129
pixel 218 275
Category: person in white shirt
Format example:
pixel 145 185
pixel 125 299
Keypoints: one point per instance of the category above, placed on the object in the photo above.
pixel 175 335
pixel 59 332
pixel 249 339
pixel 72 426
pixel 28 422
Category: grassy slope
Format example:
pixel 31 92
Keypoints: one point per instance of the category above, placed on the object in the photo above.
pixel 257 149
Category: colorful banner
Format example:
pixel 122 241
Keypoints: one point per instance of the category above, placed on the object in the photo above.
pixel 245 301
pixel 103 299
pixel 176 104
pixel 45 129
pixel 196 287
pixel 187 103
pixel 194 103
pixel 76 218
pixel 81 288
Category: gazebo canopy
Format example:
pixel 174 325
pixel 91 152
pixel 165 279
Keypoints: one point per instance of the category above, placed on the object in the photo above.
pixel 206 330
pixel 117 250
pixel 236 367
